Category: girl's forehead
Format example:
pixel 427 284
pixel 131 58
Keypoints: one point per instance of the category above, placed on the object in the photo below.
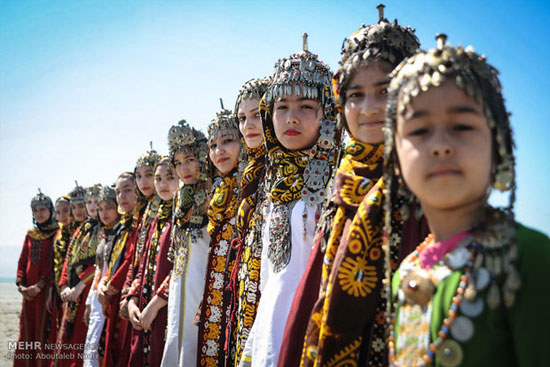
pixel 107 203
pixel 223 134
pixel 163 169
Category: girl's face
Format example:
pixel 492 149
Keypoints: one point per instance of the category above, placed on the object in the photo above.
pixel 62 213
pixel 91 206
pixel 224 152
pixel 166 182
pixel 107 212
pixel 296 121
pixel 126 194
pixel 250 122
pixel 79 211
pixel 41 214
pixel 144 180
pixel 365 105
pixel 187 167
pixel 445 149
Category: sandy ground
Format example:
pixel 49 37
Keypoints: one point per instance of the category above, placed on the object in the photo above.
pixel 10 306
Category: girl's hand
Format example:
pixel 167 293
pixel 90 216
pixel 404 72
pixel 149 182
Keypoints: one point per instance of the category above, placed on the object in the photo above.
pixel 33 291
pixel 134 314
pixel 150 312
pixel 65 293
pixel 123 310
pixel 77 291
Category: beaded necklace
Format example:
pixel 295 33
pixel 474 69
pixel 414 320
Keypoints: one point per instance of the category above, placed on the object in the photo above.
pixel 443 348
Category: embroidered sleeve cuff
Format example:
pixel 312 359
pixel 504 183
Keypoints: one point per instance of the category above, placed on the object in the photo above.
pixel 163 290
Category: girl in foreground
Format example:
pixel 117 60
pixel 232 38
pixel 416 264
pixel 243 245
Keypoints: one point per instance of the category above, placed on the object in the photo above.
pixel 190 239
pixel 470 294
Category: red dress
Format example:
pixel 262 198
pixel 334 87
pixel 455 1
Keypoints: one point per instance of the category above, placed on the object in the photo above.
pixel 34 268
pixel 152 279
pixel 117 331
pixel 79 266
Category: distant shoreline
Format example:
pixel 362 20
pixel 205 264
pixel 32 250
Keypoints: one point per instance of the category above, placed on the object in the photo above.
pixel 7 280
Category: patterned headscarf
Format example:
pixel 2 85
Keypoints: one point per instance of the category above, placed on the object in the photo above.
pixel 221 214
pixel 350 268
pixel 191 201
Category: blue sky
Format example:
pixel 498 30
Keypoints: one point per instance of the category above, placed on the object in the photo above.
pixel 85 85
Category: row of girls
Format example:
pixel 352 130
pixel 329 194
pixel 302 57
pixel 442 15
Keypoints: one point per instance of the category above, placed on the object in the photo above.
pixel 277 241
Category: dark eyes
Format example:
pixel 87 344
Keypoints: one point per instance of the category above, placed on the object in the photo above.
pixel 418 132
pixel 383 91
pixel 355 95
pixel 462 127
pixel 228 141
pixel 242 118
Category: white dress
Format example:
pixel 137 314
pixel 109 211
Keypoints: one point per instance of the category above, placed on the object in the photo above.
pixel 263 344
pixel 95 328
pixel 185 293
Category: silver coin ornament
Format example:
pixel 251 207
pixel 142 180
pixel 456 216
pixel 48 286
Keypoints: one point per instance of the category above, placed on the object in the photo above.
pixel 472 308
pixel 458 258
pixel 462 329
pixel 482 278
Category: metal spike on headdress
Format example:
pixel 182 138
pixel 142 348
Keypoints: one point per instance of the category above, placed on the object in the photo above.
pixel 380 8
pixel 305 45
pixel 441 38
pixel 221 103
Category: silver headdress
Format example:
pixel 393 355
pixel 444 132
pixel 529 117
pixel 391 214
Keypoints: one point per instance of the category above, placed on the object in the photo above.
pixel 385 41
pixel 41 200
pixel 302 74
pixel 223 124
pixel 183 137
pixel 106 193
pixel 149 158
pixel 77 195
pixel 476 78
pixel 252 89
pixel 93 190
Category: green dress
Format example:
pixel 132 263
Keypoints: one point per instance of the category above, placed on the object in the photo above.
pixel 514 336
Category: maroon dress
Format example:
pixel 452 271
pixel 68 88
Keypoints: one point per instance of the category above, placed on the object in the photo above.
pixel 146 347
pixel 34 268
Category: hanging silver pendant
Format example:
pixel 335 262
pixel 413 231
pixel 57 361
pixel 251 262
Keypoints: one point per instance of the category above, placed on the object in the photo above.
pixel 279 248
